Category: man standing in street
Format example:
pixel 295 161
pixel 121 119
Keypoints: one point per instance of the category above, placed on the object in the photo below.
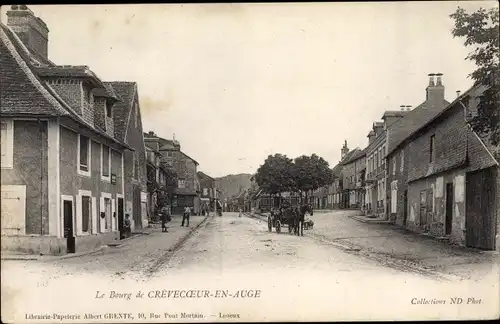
pixel 187 213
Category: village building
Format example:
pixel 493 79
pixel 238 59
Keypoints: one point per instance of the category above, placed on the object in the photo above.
pixel 156 182
pixel 453 181
pixel 128 128
pixel 353 173
pixel 207 192
pixel 400 131
pixel 187 191
pixel 62 165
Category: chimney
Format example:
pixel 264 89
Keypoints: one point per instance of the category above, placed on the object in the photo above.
pixel 408 108
pixel 31 30
pixel 431 79
pixel 344 151
pixel 435 92
pixel 439 82
pixel 151 133
pixel 402 107
pixel 458 93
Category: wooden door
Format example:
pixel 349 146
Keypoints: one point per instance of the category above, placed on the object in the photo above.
pixel 449 208
pixel 480 209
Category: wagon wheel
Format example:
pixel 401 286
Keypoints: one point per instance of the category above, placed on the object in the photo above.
pixel 269 223
pixel 278 226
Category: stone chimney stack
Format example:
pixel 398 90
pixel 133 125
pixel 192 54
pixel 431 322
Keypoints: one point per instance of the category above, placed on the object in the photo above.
pixel 435 92
pixel 344 151
pixel 31 30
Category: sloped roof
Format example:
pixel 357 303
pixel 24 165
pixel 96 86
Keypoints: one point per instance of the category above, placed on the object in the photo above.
pixel 121 110
pixel 356 155
pixel 337 170
pixel 21 90
pixel 190 158
pixel 106 92
pixel 349 155
pixel 411 123
pixel 24 93
pixel 203 174
pixel 74 71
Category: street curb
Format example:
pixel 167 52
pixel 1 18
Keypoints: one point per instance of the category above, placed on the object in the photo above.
pixel 369 221
pixel 51 257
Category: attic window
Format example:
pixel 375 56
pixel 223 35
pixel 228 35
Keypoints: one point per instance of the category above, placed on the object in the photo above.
pixel 108 110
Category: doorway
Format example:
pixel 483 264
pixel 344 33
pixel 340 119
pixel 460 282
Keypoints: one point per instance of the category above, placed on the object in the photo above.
pixel 480 221
pixel 405 207
pixel 449 208
pixel 68 226
pixel 120 217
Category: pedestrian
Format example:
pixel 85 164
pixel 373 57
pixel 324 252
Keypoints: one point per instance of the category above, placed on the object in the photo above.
pixel 127 225
pixel 185 217
pixel 165 218
pixel 239 215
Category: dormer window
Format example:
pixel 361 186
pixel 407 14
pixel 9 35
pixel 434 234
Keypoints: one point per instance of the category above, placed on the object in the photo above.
pixel 109 110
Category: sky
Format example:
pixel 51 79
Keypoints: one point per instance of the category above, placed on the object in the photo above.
pixel 237 82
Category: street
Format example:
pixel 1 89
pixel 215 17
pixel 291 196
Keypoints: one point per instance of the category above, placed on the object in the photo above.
pixel 229 251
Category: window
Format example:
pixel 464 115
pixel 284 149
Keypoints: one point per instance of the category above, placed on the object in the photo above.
pixel 169 154
pixel 402 166
pixel 83 155
pixel 7 145
pixel 109 111
pixel 432 149
pixel 181 183
pixel 205 191
pixel 394 166
pixel 135 166
pixel 105 161
pixel 107 211
pixel 86 213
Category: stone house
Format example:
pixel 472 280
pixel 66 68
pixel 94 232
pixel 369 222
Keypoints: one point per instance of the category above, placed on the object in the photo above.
pixel 353 173
pixel 375 171
pixel 453 181
pixel 335 188
pixel 156 181
pixel 400 131
pixel 128 128
pixel 187 191
pixel 62 181
pixel 207 190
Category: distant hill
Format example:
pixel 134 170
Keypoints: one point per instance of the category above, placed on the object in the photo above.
pixel 231 185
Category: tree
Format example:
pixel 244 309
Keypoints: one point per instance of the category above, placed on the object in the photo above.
pixel 311 173
pixel 275 175
pixel 481 32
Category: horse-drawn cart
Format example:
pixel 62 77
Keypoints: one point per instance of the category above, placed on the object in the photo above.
pixel 279 218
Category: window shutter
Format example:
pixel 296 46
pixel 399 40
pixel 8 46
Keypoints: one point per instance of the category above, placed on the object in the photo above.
pixel 78 225
pixel 94 216
pixel 101 220
pixel 113 219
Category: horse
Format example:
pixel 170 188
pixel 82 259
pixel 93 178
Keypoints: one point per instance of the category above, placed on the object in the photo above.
pixel 299 218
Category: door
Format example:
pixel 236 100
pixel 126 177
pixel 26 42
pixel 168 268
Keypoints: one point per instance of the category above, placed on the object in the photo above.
pixel 430 207
pixel 480 209
pixel 136 207
pixel 405 207
pixel 423 208
pixel 120 217
pixel 449 208
pixel 68 226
